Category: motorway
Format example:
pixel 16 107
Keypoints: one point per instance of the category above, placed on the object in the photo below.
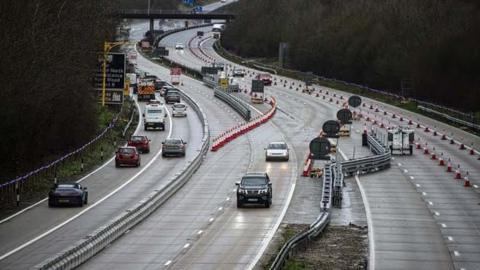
pixel 65 226
pixel 420 217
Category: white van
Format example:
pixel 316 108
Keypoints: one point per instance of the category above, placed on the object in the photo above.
pixel 218 27
pixel 154 116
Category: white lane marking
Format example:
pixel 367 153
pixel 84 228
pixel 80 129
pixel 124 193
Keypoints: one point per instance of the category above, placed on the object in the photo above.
pixel 437 213
pixel 450 238
pixel 80 180
pixel 220 208
pixel 424 193
pixel 168 263
pixel 210 220
pixel 443 225
pixel 411 177
pixel 272 232
pixel 199 232
pixel 405 171
pixel 93 205
pixel 371 237
pixel 418 185
pixel 186 245
pixel 430 202
pixel 456 253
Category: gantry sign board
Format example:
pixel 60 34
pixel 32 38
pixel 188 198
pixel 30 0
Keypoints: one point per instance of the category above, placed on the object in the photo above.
pixel 114 77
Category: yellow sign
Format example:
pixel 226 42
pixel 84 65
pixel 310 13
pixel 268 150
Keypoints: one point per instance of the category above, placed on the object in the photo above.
pixel 223 83
pixel 126 89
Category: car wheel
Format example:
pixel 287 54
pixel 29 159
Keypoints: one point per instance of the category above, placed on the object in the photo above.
pixel 138 164
pixel 50 203
pixel 145 128
pixel 267 204
pixel 239 204
pixel 163 155
pixel 117 164
pixel 80 203
pixel 86 199
pixel 147 151
pixel 183 154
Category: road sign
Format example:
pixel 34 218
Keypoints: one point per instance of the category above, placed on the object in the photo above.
pixel 114 97
pixel 319 148
pixel 344 115
pixel 115 72
pixel 354 101
pixel 209 70
pixel 257 86
pixel 331 128
pixel 160 51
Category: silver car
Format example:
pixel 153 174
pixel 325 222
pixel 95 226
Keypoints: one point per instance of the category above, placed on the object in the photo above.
pixel 277 151
pixel 179 109
pixel 173 147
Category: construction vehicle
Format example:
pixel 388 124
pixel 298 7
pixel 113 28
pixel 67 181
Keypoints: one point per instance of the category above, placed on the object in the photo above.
pixel 146 91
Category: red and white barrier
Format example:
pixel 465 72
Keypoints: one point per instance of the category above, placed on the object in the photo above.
pixel 237 131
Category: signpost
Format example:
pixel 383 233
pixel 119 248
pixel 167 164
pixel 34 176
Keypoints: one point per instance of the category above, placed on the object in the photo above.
pixel 319 148
pixel 257 86
pixel 110 76
pixel 345 116
pixel 331 128
pixel 354 101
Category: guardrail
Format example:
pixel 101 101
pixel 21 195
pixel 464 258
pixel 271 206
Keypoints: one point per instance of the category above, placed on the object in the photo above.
pixel 11 190
pixel 450 118
pixel 99 239
pixel 300 239
pixel 337 185
pixel 380 161
pixel 237 105
pixel 327 187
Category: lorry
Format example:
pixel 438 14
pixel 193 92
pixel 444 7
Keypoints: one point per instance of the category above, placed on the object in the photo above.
pixel 154 116
pixel 256 96
pixel 399 140
pixel 175 74
pixel 146 91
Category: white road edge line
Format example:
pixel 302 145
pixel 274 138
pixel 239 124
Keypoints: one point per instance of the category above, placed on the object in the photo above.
pixel 80 180
pixel 371 239
pixel 266 241
pixel 93 205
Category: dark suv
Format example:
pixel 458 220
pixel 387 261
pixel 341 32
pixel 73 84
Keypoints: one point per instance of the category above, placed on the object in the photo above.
pixel 254 188
pixel 172 97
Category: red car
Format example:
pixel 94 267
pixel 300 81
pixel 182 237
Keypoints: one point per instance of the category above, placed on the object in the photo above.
pixel 142 143
pixel 127 156
pixel 266 78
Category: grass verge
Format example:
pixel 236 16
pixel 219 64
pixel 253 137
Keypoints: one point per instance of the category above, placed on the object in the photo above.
pixel 73 168
pixel 269 64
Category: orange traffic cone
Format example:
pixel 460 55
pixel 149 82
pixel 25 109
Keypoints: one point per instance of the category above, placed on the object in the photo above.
pixel 458 174
pixel 467 181
pixel 449 166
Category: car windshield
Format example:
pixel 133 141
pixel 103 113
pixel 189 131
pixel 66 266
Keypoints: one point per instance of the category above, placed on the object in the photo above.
pixel 154 111
pixel 66 186
pixel 137 138
pixel 173 141
pixel 181 106
pixel 253 181
pixel 277 146
pixel 126 150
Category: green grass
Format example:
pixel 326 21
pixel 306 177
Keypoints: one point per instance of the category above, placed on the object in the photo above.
pixel 405 104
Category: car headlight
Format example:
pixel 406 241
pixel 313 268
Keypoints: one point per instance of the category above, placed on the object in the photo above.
pixel 263 191
pixel 242 191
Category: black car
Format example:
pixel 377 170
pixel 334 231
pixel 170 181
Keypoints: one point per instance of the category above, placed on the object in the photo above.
pixel 254 188
pixel 172 97
pixel 67 194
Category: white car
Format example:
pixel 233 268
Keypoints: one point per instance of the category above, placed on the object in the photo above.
pixel 179 46
pixel 179 109
pixel 277 151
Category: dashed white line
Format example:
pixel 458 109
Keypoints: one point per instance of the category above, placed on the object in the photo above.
pixel 456 253
pixel 450 239
pixel 186 245
pixel 168 263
